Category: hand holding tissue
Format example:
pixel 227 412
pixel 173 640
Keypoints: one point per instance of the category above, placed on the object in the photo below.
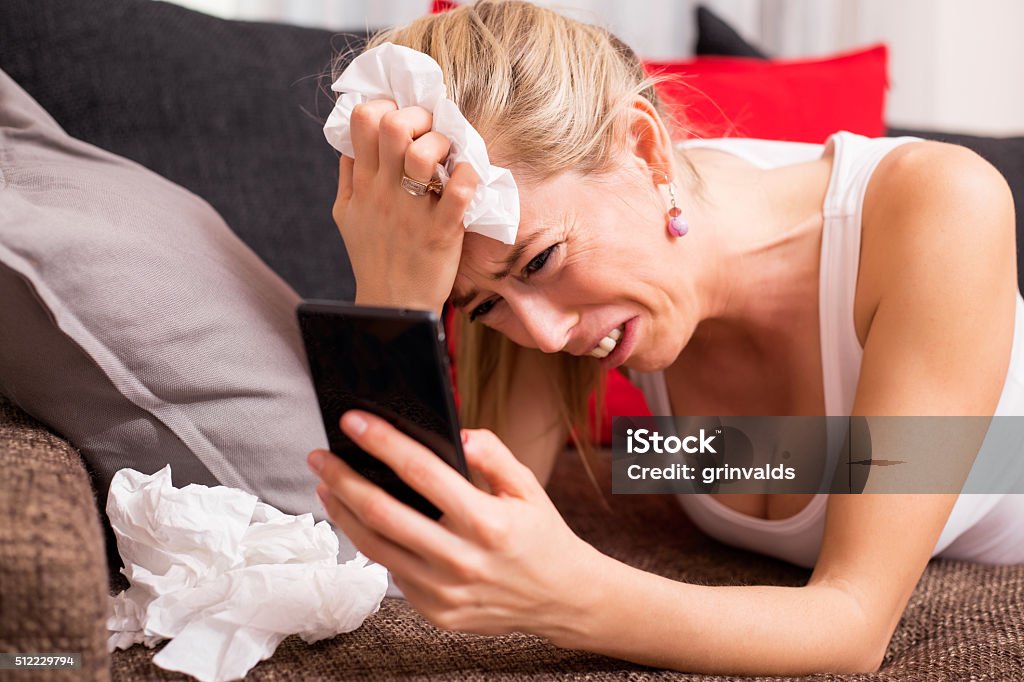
pixel 226 577
pixel 412 78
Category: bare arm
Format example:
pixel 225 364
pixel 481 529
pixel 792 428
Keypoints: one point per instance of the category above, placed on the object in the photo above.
pixel 724 630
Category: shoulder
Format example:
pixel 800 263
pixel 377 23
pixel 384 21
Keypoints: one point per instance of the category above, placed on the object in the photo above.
pixel 938 212
pixel 936 180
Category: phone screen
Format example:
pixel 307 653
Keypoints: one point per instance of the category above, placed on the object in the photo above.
pixel 391 362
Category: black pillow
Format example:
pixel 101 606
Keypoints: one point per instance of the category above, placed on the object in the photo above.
pixel 716 37
pixel 231 110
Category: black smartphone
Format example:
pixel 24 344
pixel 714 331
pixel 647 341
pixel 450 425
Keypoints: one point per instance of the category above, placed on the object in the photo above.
pixel 391 362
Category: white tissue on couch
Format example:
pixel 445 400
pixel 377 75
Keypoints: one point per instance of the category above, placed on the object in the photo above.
pixel 227 577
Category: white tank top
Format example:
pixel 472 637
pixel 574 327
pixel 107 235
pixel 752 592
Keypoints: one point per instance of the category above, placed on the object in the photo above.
pixel 981 527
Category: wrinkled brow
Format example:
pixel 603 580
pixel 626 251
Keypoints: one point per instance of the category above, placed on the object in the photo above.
pixel 507 264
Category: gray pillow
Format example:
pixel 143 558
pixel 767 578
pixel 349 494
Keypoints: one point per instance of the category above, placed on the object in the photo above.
pixel 137 325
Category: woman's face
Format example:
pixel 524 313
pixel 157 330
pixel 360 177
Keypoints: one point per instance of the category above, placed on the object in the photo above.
pixel 590 255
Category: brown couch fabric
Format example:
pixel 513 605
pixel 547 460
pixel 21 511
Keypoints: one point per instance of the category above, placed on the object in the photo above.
pixel 964 620
pixel 53 575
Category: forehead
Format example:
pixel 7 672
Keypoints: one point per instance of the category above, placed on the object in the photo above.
pixel 546 209
pixel 543 208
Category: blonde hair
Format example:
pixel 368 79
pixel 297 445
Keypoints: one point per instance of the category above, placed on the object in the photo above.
pixel 550 91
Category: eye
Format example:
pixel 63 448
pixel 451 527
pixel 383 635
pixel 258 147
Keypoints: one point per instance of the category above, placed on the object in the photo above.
pixel 481 309
pixel 533 267
pixel 538 261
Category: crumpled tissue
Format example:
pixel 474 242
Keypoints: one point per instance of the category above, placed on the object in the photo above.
pixel 412 78
pixel 226 577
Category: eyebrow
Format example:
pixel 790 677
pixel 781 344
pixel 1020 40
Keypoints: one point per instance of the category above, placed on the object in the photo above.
pixel 507 264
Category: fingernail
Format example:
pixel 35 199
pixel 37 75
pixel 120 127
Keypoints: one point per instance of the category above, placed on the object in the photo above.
pixel 316 461
pixel 465 436
pixel 354 423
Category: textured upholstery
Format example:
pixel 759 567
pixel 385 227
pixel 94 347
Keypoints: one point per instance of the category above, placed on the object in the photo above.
pixel 53 571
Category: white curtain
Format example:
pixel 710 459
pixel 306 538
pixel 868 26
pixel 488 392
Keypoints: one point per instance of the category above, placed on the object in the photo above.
pixel 659 29
pixel 337 15
pixel 953 65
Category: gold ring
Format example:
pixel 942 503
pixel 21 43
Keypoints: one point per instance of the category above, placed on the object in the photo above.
pixel 419 189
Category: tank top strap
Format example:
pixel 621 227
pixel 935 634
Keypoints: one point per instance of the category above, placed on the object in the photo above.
pixel 855 158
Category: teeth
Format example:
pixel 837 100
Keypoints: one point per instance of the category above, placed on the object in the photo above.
pixel 607 344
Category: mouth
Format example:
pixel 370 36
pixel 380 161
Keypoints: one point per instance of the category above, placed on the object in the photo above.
pixel 606 345
pixel 616 346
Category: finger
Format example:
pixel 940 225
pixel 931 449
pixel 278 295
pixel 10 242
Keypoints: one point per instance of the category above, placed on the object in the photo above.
pixel 374 545
pixel 423 155
pixel 365 127
pixel 458 194
pixel 345 166
pixel 486 454
pixel 412 462
pixel 381 512
pixel 397 131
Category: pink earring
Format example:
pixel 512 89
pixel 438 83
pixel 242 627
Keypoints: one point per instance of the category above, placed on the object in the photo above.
pixel 677 225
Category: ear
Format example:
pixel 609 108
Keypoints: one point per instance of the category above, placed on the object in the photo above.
pixel 650 142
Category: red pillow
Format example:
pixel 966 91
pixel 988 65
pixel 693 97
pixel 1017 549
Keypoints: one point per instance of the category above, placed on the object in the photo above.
pixel 621 399
pixel 801 100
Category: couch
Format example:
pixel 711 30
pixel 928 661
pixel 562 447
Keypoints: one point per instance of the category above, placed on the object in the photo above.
pixel 130 76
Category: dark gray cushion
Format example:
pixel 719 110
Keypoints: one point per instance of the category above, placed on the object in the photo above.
pixel 716 37
pixel 230 110
pixel 137 325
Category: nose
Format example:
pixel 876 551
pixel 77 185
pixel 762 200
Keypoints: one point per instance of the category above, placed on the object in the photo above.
pixel 544 321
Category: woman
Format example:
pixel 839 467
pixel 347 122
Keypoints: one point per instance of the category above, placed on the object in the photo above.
pixel 918 242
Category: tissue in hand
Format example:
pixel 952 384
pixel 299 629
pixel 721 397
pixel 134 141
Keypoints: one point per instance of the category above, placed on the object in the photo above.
pixel 412 78
pixel 227 577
